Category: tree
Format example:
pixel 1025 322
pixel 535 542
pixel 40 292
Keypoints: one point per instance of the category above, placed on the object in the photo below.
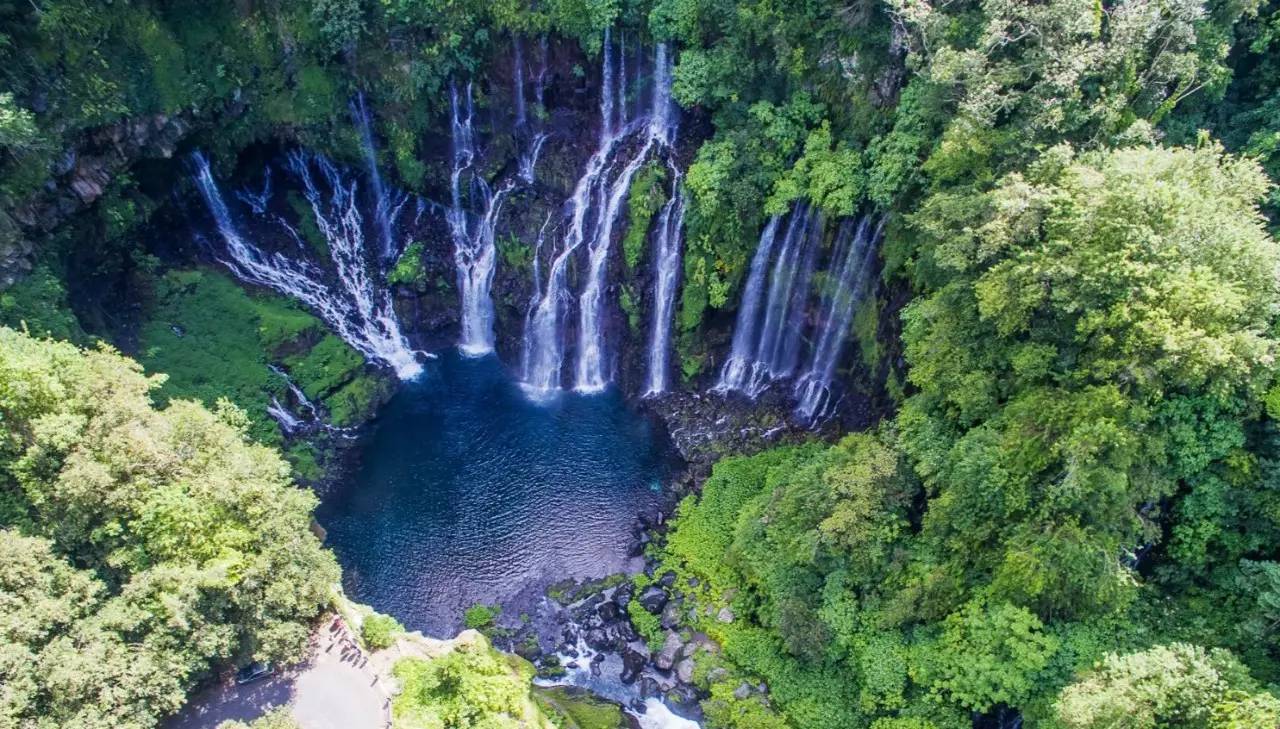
pixel 191 546
pixel 1177 685
pixel 1105 334
pixel 986 655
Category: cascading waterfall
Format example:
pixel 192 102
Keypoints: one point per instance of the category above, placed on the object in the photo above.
pixel 591 376
pixel 529 142
pixel 474 249
pixel 742 352
pixel 385 205
pixel 754 360
pixel 667 266
pixel 589 216
pixel 850 278
pixel 357 311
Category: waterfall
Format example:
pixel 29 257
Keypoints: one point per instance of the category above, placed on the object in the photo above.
pixel 667 265
pixel 517 80
pixel 385 205
pixel 754 359
pixel 543 336
pixel 853 265
pixel 591 375
pixel 474 249
pixel 358 312
pixel 591 215
pixel 742 352
pixel 528 142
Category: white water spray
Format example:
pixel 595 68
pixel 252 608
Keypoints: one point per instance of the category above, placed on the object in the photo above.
pixel 358 312
pixel 853 264
pixel 386 206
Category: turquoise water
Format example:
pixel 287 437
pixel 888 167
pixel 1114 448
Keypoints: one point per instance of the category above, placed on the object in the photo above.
pixel 468 492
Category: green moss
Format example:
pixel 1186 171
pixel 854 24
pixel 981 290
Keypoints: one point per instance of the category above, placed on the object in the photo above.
pixel 213 339
pixel 578 709
pixel 307 223
pixel 409 270
pixel 323 368
pixel 643 201
pixel 405 155
pixel 866 321
pixel 304 459
pixel 355 401
pixel 516 254
pixel 648 625
pixel 481 616
pixel 629 307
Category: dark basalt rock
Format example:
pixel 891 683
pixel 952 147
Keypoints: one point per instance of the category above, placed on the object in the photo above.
pixel 635 656
pixel 653 599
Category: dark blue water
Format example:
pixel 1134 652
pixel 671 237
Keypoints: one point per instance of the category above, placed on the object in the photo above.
pixel 468 492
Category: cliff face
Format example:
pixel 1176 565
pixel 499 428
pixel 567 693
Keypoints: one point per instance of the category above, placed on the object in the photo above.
pixel 82 174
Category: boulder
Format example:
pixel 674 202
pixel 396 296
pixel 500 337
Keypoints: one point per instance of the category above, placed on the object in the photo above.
pixel 684 670
pixel 671 615
pixel 653 599
pixel 725 615
pixel 634 657
pixel 608 611
pixel 666 657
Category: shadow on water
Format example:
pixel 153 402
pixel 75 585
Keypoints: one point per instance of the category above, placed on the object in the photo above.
pixel 467 492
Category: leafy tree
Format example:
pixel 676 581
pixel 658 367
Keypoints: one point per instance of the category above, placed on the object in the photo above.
pixel 1178 685
pixel 143 547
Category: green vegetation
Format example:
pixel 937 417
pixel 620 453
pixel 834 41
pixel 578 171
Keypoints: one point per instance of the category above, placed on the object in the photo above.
pixel 1074 514
pixel 573 708
pixel 379 631
pixel 971 556
pixel 409 270
pixel 471 685
pixel 480 616
pixel 187 337
pixel 141 549
pixel 644 200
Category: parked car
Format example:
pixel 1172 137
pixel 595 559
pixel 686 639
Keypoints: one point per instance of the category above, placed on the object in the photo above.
pixel 254 672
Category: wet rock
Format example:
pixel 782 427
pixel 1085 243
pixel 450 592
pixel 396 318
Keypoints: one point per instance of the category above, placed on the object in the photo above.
pixel 622 596
pixel 648 686
pixel 668 579
pixel 666 658
pixel 653 599
pixel 598 639
pixel 684 701
pixel 608 611
pixel 634 657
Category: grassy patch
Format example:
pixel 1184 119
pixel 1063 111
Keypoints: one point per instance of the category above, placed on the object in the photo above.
pixel 577 709
pixel 214 340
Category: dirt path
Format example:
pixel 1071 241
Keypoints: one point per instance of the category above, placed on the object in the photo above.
pixel 338 687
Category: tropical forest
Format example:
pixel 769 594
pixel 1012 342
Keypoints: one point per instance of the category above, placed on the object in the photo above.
pixel 639 364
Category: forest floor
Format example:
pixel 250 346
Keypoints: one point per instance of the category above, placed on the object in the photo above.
pixel 338 687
